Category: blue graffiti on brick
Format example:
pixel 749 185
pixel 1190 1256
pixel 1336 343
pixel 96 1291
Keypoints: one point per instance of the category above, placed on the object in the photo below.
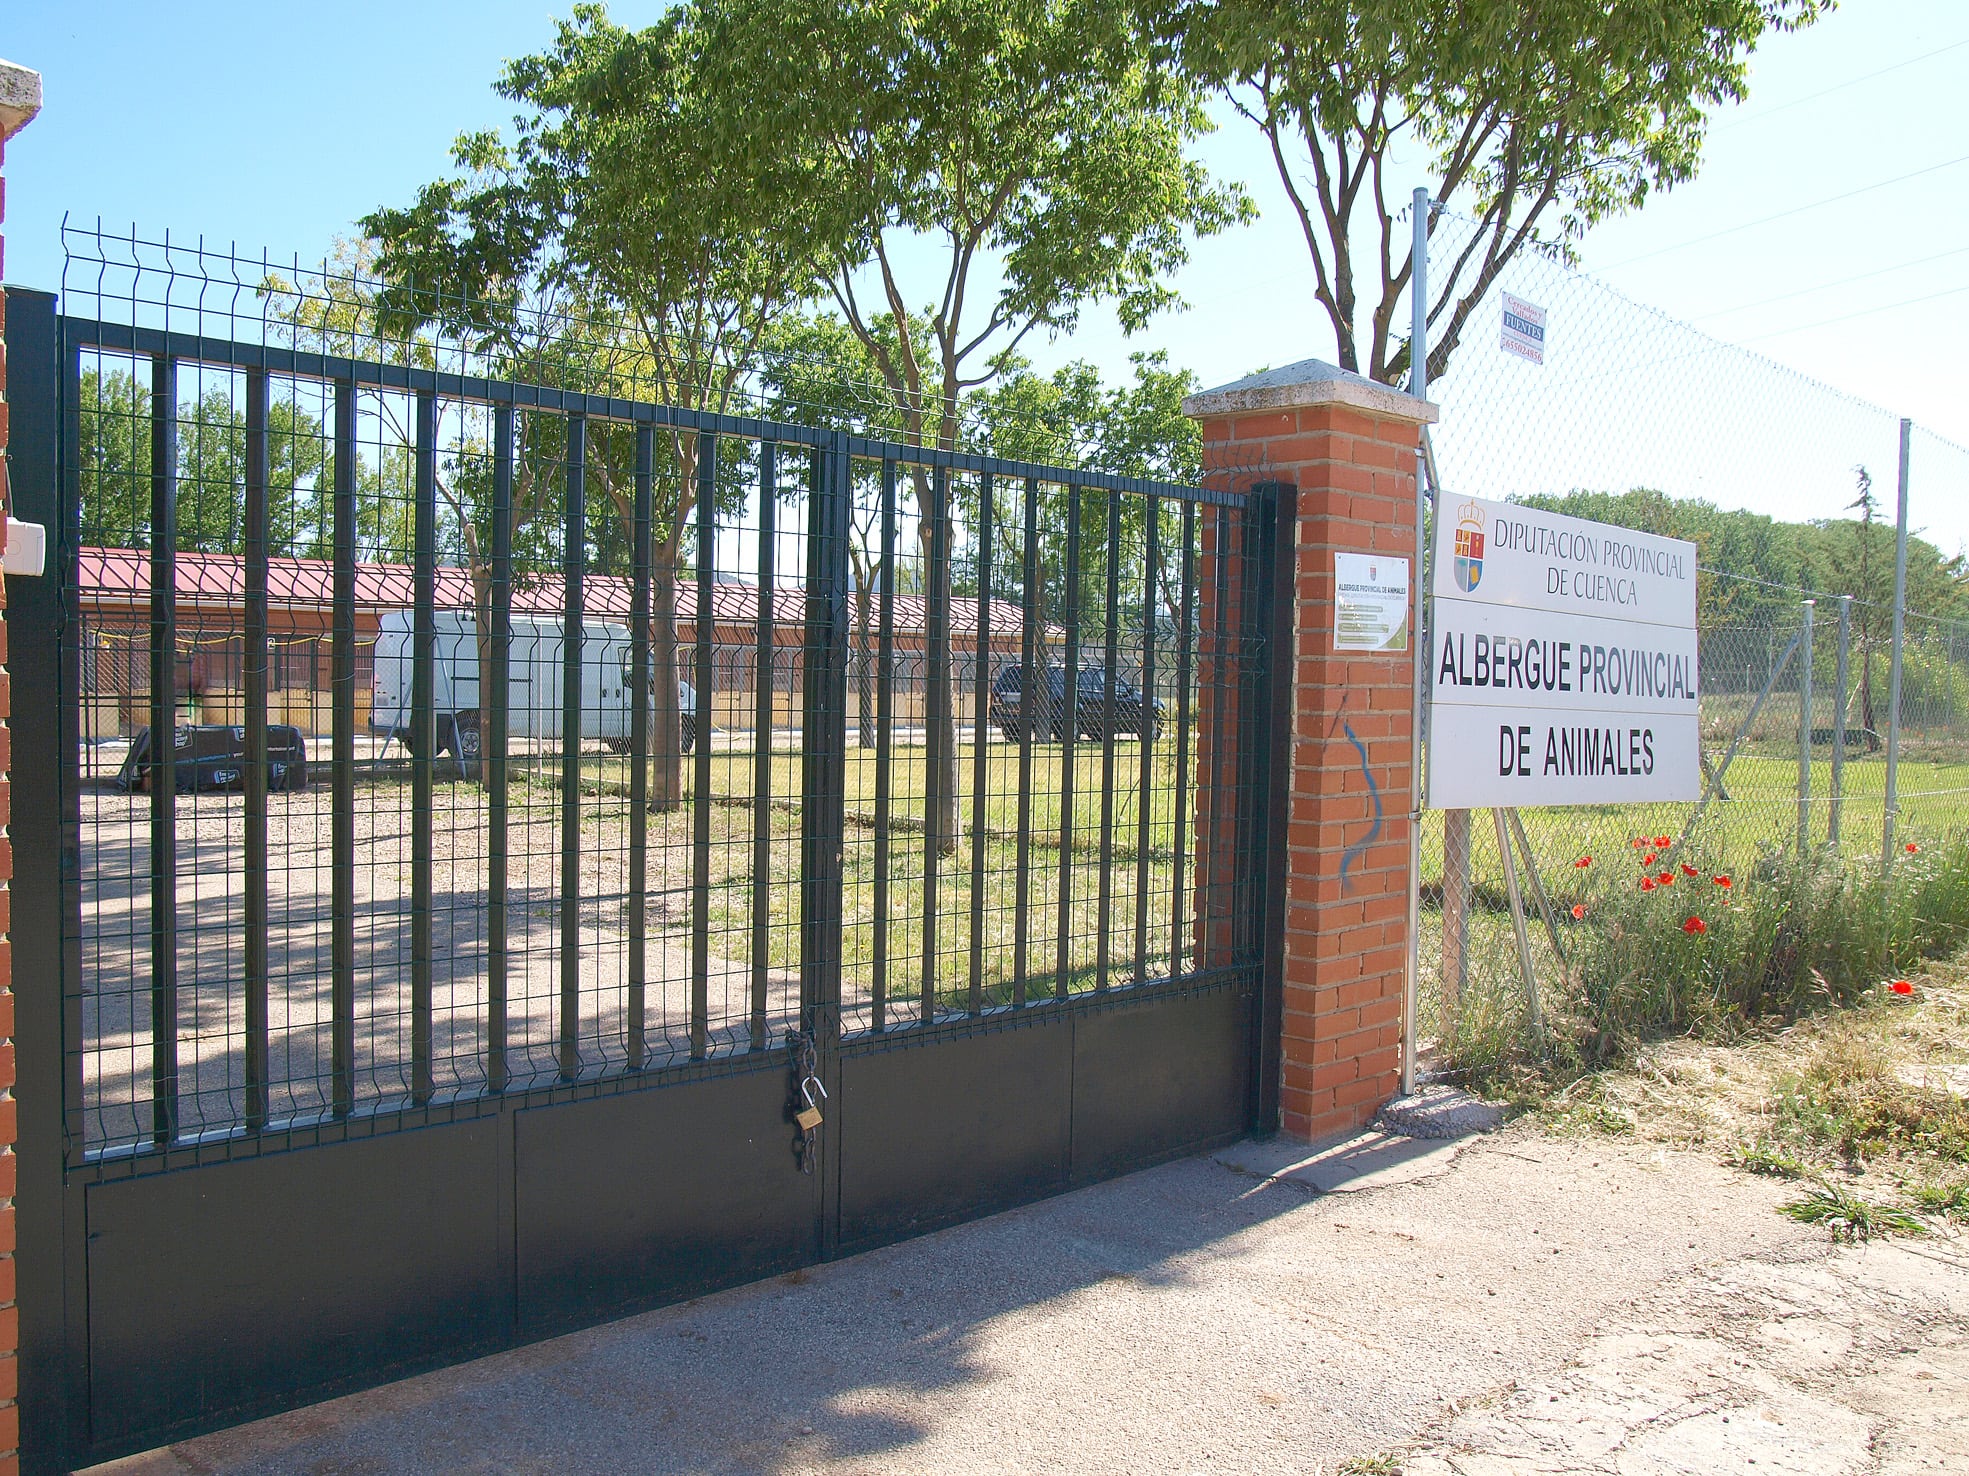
pixel 1353 852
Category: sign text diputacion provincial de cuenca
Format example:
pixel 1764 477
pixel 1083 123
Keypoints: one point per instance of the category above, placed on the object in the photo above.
pixel 1562 664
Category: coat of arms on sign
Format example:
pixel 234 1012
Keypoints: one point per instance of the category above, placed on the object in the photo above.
pixel 1469 546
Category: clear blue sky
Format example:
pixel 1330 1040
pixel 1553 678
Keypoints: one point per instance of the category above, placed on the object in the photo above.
pixel 275 126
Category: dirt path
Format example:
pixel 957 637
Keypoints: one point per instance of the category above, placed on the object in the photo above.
pixel 1826 1362
pixel 1527 1303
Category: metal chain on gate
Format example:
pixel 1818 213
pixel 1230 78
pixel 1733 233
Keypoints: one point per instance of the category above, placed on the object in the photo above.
pixel 808 1094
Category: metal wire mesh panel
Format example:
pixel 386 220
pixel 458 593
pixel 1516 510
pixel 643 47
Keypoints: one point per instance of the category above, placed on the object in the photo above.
pixel 1632 408
pixel 448 733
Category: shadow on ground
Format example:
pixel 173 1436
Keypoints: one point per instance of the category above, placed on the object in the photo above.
pixel 1212 1314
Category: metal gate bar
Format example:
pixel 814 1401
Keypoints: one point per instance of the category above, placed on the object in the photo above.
pixel 254 903
pixel 539 1212
pixel 574 556
pixel 1145 793
pixel 885 682
pixel 1181 919
pixel 1029 689
pixel 495 745
pixel 1111 654
pixel 762 743
pixel 1066 723
pixel 164 773
pixel 342 1029
pixel 423 751
pixel 980 727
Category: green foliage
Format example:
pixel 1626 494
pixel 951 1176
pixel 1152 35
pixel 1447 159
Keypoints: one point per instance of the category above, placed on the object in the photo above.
pixel 1028 143
pixel 1852 1103
pixel 1767 561
pixel 1588 1112
pixel 115 473
pixel 1070 418
pixel 1849 1217
pixel 1950 1201
pixel 1763 1157
pixel 1782 938
pixel 613 244
pixel 1539 118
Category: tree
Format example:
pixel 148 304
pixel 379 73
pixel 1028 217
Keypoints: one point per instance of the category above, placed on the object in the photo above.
pixel 613 191
pixel 1031 146
pixel 1772 565
pixel 346 309
pixel 114 416
pixel 1071 418
pixel 814 371
pixel 1538 118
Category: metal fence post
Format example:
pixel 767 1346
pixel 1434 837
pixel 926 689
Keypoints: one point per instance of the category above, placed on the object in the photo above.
pixel 1518 930
pixel 1265 667
pixel 1891 809
pixel 823 761
pixel 1418 385
pixel 43 381
pixel 1805 734
pixel 1841 701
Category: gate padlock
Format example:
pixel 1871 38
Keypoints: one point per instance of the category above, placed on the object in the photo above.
pixel 808 1118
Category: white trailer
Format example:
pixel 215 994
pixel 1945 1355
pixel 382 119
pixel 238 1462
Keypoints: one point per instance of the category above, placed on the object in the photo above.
pixel 535 683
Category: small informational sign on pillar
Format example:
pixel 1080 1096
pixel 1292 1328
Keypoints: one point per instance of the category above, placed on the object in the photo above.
pixel 1524 329
pixel 1370 602
pixel 1563 668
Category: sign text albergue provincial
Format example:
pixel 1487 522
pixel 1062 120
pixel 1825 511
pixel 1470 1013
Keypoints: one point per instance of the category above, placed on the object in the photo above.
pixel 1563 662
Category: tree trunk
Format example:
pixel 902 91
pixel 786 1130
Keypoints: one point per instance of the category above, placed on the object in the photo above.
pixel 666 790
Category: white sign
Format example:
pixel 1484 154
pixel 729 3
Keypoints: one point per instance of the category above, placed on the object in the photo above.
pixel 1370 603
pixel 1524 329
pixel 1497 553
pixel 1563 662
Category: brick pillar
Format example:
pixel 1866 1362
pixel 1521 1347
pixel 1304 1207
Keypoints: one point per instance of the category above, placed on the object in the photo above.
pixel 1348 445
pixel 20 100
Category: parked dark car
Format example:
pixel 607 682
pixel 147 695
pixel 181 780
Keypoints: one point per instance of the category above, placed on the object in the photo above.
pixel 1132 713
pixel 208 757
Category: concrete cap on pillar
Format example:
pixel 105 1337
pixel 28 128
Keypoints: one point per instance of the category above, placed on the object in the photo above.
pixel 1307 383
pixel 20 98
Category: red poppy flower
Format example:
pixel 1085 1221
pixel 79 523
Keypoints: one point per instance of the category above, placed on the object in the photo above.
pixel 1695 926
pixel 1667 878
pixel 1649 859
pixel 1638 842
pixel 1688 870
pixel 1578 911
pixel 1663 842
pixel 1647 884
pixel 1721 881
pixel 1582 863
pixel 1901 986
pixel 1911 848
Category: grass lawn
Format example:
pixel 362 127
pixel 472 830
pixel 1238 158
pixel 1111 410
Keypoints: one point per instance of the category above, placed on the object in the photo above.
pixel 1137 890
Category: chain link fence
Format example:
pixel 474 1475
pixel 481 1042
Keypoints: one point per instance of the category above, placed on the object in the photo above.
pixel 1797 732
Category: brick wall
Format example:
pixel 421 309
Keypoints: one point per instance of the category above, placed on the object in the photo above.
pixel 9 1317
pixel 1349 446
pixel 20 98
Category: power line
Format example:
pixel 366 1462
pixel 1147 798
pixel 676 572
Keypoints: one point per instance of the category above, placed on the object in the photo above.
pixel 1745 307
pixel 1885 307
pixel 1787 214
pixel 1758 117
